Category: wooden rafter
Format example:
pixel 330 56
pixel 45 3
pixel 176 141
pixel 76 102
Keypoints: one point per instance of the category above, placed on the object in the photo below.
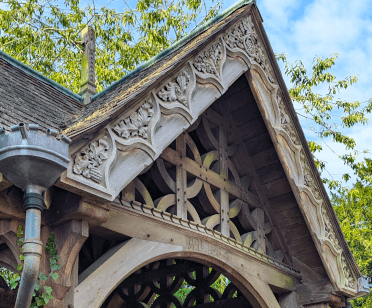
pixel 248 164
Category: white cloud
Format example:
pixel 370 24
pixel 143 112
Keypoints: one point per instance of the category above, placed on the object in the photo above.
pixel 305 29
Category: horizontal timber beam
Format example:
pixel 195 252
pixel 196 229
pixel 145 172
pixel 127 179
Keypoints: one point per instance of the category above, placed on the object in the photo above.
pixel 237 302
pixel 148 224
pixel 209 176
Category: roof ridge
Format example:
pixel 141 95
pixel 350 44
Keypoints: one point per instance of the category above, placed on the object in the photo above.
pixel 176 45
pixel 28 70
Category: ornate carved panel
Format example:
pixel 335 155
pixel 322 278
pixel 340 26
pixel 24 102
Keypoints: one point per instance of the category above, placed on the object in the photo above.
pixel 137 123
pixel 196 179
pixel 209 63
pixel 174 96
pixel 136 128
pixel 176 283
pixel 176 90
pixel 243 38
pixel 295 159
pixel 88 161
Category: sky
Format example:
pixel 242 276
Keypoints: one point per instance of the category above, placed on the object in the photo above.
pixel 307 29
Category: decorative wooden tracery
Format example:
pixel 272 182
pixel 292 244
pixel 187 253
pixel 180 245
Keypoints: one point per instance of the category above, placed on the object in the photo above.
pixel 199 178
pixel 156 284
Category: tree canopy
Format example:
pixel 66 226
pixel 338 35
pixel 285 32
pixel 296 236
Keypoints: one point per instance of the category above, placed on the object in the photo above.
pixel 46 35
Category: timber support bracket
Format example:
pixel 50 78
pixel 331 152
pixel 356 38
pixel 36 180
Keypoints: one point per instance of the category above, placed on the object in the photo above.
pixel 69 238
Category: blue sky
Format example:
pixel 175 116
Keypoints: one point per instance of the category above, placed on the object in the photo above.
pixel 305 29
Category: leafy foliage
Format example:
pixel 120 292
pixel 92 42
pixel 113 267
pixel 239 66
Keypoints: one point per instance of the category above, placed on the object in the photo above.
pixel 220 285
pixel 354 211
pixel 329 115
pixel 42 295
pixel 46 37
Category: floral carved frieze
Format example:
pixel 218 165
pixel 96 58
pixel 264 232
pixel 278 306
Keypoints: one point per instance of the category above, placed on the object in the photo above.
pixel 349 279
pixel 328 229
pixel 176 90
pixel 309 180
pixel 87 162
pixel 210 60
pixel 286 122
pixel 137 123
pixel 243 37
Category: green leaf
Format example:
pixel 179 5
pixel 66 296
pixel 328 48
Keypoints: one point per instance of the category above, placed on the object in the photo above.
pixel 37 287
pixel 54 276
pixel 43 277
pixel 48 290
pixel 55 267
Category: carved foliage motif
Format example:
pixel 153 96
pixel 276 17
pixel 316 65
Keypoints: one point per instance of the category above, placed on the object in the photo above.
pixel 88 161
pixel 329 232
pixel 137 123
pixel 308 177
pixel 286 121
pixel 349 279
pixel 176 90
pixel 210 61
pixel 243 36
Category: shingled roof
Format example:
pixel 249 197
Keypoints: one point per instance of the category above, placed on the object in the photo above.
pixel 27 96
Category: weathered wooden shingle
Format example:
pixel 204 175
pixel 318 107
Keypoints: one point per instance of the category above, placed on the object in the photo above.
pixel 26 98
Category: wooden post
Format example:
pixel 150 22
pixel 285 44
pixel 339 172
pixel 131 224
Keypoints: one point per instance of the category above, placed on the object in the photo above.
pixel 224 172
pixel 88 78
pixel 181 179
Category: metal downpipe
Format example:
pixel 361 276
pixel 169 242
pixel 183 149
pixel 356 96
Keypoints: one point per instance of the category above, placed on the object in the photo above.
pixel 348 303
pixel 32 246
pixel 33 161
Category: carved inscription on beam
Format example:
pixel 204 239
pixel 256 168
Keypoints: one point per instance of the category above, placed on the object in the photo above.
pixel 197 244
pixel 209 176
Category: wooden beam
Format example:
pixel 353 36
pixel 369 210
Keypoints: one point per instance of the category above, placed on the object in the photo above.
pixel 237 302
pixel 181 180
pixel 149 225
pixel 209 176
pixel 4 183
pixel 224 172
